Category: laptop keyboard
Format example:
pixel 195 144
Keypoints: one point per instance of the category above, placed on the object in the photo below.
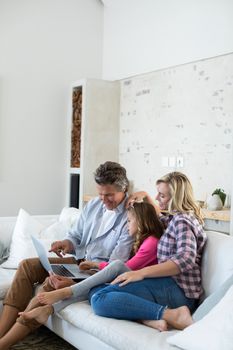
pixel 62 271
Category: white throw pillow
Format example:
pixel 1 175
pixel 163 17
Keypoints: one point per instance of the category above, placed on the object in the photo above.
pixel 26 225
pixel 21 245
pixel 214 331
pixel 69 216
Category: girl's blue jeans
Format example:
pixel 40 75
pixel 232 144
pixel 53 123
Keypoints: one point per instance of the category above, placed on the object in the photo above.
pixel 142 300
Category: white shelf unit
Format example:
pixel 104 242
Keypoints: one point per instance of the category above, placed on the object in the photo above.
pixel 99 135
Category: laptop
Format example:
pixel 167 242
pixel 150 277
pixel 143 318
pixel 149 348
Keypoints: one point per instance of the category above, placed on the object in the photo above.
pixel 67 270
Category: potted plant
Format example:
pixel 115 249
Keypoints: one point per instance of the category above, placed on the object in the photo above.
pixel 221 194
pixel 217 200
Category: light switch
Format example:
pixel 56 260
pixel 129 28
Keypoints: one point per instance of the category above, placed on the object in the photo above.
pixel 179 162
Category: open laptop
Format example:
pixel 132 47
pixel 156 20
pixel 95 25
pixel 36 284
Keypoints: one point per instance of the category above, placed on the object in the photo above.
pixel 66 270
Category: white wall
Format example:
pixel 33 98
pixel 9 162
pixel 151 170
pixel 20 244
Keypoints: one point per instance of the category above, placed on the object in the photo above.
pixel 145 35
pixel 45 45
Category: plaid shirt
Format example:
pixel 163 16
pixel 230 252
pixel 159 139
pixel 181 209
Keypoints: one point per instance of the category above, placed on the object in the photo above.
pixel 182 243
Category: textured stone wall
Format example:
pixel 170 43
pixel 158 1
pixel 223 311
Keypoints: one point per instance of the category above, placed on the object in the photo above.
pixel 184 111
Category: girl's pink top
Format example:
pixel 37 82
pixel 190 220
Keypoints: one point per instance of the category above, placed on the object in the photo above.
pixel 145 256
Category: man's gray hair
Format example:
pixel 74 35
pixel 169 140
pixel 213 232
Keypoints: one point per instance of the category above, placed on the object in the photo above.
pixel 112 173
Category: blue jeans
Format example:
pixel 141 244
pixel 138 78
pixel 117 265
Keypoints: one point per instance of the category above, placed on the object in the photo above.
pixel 142 300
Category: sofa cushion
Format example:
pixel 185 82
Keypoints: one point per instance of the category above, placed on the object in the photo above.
pixel 217 261
pixel 119 334
pixel 214 331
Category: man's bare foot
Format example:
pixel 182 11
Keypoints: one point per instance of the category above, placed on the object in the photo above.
pixel 54 296
pixel 178 318
pixel 40 314
pixel 161 325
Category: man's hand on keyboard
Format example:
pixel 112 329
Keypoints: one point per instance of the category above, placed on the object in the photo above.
pixel 59 282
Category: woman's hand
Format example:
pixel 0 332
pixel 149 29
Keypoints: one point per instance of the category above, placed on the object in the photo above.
pixel 136 197
pixel 88 265
pixel 127 277
pixel 140 197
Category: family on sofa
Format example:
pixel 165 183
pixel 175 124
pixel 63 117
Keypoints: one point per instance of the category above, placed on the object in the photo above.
pixel 160 283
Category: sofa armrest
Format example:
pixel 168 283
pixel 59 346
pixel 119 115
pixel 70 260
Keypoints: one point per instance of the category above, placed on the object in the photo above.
pixel 217 261
pixel 7 225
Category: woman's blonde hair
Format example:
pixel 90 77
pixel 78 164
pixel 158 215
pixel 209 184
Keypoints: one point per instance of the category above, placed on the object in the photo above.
pixel 147 221
pixel 181 191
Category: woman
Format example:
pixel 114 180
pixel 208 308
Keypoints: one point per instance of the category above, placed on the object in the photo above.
pixel 170 290
pixel 144 225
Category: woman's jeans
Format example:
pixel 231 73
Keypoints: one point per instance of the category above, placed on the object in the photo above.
pixel 142 300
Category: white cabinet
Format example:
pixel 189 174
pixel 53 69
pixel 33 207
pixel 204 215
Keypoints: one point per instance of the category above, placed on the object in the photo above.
pixel 93 135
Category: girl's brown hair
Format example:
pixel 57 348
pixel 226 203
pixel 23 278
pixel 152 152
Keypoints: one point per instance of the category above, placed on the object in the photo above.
pixel 148 222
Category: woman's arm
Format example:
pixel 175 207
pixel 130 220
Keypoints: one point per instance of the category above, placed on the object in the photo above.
pixel 168 268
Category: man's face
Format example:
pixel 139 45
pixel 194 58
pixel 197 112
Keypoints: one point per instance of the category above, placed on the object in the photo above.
pixel 110 196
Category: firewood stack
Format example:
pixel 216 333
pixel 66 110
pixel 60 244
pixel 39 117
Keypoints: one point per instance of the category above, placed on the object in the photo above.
pixel 76 128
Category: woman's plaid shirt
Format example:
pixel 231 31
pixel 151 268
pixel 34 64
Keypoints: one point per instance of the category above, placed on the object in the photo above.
pixel 182 243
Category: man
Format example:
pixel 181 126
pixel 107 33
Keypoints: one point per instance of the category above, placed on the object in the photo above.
pixel 100 235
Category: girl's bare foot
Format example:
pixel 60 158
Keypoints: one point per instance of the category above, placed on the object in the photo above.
pixel 40 314
pixel 161 325
pixel 178 318
pixel 54 296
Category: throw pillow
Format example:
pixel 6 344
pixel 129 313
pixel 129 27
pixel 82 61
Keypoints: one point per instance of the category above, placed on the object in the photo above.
pixel 69 216
pixel 26 225
pixel 214 331
pixel 21 245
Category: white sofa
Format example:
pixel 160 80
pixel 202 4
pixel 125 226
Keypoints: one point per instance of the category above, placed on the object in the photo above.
pixel 82 328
